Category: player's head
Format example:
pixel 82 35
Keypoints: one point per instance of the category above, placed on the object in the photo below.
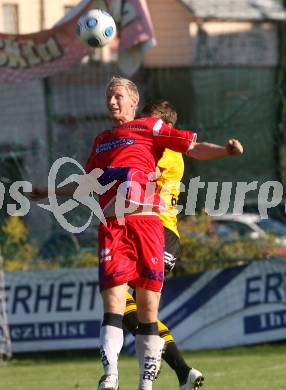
pixel 162 109
pixel 122 99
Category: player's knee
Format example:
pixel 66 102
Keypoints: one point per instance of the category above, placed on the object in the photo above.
pixel 114 300
pixel 130 321
pixel 147 305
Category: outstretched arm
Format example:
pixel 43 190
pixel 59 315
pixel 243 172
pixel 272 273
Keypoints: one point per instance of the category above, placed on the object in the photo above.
pixel 41 193
pixel 184 141
pixel 207 151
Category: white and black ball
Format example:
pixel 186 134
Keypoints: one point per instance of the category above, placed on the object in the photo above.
pixel 96 28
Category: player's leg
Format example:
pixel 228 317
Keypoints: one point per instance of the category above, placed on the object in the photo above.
pixel 189 378
pixel 149 344
pixel 111 335
pixel 186 375
pixel 149 237
pixel 171 354
pixel 113 246
pixel 130 319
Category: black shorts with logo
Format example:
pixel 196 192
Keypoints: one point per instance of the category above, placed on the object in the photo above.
pixel 172 249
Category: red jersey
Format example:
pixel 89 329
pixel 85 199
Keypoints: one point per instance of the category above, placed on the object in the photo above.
pixel 130 151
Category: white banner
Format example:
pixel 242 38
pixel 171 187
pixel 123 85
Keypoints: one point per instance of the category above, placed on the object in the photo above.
pixel 62 309
pixel 54 310
pixel 225 308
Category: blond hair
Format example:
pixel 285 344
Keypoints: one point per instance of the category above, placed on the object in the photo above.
pixel 128 84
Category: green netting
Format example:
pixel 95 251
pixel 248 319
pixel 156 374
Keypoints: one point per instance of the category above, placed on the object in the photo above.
pixel 44 120
pixel 222 103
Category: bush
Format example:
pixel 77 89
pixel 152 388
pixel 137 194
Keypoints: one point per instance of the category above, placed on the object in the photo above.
pixel 16 249
pixel 203 249
pixel 21 254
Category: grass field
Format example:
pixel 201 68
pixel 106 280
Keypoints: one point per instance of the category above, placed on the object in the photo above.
pixel 255 368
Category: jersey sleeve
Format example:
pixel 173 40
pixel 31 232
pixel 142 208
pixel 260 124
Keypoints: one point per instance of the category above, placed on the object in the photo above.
pixel 178 140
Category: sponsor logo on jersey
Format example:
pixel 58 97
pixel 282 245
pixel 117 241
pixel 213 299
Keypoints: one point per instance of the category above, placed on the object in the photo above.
pixel 136 127
pixel 152 274
pixel 104 255
pixel 116 143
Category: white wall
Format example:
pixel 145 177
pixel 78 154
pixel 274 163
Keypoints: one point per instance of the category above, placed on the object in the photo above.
pixel 29 13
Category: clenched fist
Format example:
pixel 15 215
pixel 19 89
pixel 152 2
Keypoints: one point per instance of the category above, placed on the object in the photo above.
pixel 234 147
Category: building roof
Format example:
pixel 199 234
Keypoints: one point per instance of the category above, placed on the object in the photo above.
pixel 237 9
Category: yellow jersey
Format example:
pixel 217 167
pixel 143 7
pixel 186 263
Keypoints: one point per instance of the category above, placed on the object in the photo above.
pixel 171 166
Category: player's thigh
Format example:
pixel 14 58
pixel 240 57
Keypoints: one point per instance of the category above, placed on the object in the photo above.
pixel 149 239
pixel 117 257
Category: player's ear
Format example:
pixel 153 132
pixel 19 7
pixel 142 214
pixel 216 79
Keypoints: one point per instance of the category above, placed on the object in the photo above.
pixel 135 102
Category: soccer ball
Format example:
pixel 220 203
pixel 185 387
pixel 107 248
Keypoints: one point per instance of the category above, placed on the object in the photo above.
pixel 96 28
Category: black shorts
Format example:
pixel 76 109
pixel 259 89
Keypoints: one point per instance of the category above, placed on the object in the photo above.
pixel 172 243
pixel 171 251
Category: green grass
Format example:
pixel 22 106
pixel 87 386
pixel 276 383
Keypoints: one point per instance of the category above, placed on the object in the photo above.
pixel 256 368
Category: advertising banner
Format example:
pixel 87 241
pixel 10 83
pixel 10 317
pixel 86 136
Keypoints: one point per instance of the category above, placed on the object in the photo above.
pixel 42 54
pixel 62 309
pixel 225 308
pixel 53 310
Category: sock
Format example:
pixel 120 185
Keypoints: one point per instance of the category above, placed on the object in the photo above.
pixel 175 360
pixel 111 340
pixel 148 350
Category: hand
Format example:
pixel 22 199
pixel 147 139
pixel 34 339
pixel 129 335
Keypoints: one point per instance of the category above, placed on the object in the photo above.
pixel 234 147
pixel 37 194
pixel 153 176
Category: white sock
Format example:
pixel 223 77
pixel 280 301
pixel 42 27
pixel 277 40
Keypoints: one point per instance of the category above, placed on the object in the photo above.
pixel 111 340
pixel 148 351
